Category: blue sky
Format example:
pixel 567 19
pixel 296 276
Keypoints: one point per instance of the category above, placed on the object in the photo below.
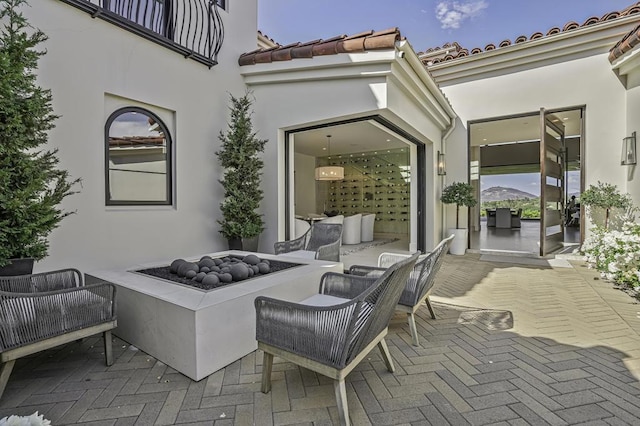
pixel 426 23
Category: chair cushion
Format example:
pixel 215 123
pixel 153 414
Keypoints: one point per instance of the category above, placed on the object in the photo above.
pixel 323 300
pixel 306 254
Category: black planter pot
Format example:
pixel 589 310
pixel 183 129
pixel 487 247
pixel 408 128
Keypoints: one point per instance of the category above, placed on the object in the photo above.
pixel 22 266
pixel 244 244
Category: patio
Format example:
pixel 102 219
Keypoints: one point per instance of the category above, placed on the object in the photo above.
pixel 572 356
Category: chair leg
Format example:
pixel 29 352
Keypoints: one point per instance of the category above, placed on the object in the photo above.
pixel 341 399
pixel 428 302
pixel 267 364
pixel 108 348
pixel 5 372
pixel 386 356
pixel 411 319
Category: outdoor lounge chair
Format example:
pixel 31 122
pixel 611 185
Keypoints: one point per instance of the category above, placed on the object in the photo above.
pixel 321 242
pixel 331 332
pixel 41 311
pixel 419 283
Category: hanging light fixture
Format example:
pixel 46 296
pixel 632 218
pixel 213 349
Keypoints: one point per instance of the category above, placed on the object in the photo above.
pixel 329 172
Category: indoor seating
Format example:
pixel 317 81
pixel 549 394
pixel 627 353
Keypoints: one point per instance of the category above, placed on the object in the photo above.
pixel 368 221
pixel 352 229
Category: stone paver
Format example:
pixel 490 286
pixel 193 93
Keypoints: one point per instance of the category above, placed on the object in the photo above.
pixel 513 344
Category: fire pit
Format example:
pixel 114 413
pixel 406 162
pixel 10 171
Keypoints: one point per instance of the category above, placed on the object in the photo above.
pixel 196 331
pixel 210 273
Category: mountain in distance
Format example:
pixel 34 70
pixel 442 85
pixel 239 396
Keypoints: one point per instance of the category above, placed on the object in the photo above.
pixel 500 193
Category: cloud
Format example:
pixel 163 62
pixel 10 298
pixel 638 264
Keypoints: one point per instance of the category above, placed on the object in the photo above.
pixel 452 14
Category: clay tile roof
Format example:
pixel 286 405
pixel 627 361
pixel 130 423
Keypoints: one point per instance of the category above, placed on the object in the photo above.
pixel 361 42
pixel 628 42
pixel 631 40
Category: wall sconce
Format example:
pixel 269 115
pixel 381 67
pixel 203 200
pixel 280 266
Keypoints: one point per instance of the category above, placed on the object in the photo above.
pixel 441 164
pixel 629 151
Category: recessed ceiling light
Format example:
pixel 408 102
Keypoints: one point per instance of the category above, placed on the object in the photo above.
pixel 485 139
pixel 324 149
pixel 566 118
pixel 388 140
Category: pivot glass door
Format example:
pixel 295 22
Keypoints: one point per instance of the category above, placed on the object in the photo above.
pixel 552 185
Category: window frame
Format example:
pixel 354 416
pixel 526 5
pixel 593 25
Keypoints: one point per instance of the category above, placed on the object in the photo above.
pixel 169 160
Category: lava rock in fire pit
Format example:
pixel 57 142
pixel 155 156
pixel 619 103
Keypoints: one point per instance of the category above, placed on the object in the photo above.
pixel 251 259
pixel 211 280
pixel 239 271
pixel 186 267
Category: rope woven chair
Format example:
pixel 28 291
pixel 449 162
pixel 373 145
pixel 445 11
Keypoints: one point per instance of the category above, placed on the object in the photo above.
pixel 321 242
pixel 331 332
pixel 41 311
pixel 419 284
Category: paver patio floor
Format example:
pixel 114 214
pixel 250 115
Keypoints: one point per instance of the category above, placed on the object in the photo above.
pixel 512 345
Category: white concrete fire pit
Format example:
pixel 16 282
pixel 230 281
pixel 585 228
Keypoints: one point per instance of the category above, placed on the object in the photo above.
pixel 198 332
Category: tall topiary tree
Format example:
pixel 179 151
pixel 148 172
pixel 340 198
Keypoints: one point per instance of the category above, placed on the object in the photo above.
pixel 31 185
pixel 606 197
pixel 460 194
pixel 240 158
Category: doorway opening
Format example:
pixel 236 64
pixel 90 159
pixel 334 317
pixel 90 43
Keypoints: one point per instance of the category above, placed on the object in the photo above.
pixel 380 175
pixel 525 169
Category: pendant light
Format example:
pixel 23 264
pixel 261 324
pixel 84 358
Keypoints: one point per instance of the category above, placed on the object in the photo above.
pixel 329 172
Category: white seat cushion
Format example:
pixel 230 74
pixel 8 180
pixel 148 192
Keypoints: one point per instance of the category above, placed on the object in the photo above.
pixel 323 300
pixel 305 254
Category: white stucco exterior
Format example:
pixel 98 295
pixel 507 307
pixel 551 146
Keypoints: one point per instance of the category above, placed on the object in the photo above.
pixel 297 94
pixel 570 70
pixel 93 68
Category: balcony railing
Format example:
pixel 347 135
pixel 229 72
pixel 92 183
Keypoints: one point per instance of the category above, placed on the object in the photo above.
pixel 193 28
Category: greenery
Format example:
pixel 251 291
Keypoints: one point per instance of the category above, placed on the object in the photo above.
pixel 607 197
pixel 239 156
pixel 31 185
pixel 460 194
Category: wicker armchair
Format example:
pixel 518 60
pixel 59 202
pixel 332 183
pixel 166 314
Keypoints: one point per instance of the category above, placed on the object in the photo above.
pixel 330 333
pixel 419 284
pixel 41 311
pixel 321 242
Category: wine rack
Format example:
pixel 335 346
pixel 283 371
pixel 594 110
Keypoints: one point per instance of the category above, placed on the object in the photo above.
pixel 374 182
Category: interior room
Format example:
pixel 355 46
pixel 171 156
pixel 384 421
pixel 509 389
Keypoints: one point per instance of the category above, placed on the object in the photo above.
pixel 505 170
pixel 361 171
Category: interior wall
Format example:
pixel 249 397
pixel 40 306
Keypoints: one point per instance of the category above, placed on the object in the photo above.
pixel 305 184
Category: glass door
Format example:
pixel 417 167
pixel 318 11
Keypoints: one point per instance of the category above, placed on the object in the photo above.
pixel 552 185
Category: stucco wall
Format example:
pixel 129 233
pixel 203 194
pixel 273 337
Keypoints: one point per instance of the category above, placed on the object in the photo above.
pixel 290 105
pixel 633 125
pixel 91 62
pixel 588 81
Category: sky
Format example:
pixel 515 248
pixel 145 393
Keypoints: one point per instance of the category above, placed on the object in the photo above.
pixel 426 23
pixel 527 182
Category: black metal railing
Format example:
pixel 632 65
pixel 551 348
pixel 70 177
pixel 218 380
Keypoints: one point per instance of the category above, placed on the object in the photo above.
pixel 193 28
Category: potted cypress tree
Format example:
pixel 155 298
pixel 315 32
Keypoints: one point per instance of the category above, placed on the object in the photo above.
pixel 31 184
pixel 239 155
pixel 460 194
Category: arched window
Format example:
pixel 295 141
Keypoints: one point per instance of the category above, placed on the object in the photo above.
pixel 137 159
